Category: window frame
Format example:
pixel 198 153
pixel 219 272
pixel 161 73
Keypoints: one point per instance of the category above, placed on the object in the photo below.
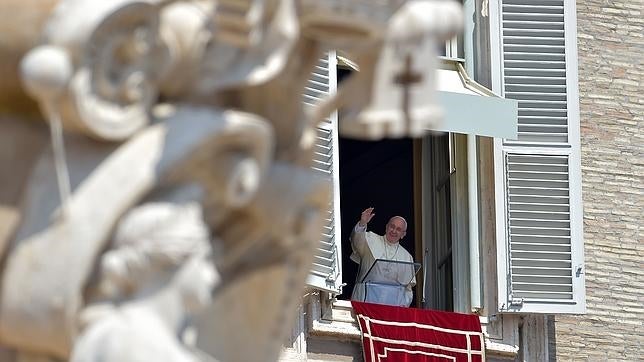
pixel 331 282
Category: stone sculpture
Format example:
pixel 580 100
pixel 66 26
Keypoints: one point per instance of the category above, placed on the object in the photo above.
pixel 187 151
pixel 157 275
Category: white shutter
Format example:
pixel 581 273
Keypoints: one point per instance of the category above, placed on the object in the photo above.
pixel 326 271
pixel 538 176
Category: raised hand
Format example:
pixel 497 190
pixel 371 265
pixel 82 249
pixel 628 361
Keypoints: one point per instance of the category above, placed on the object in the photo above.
pixel 366 216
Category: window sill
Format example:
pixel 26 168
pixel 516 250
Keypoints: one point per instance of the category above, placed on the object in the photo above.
pixel 502 350
pixel 336 320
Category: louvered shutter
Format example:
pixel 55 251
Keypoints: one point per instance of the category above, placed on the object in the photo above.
pixel 538 175
pixel 326 271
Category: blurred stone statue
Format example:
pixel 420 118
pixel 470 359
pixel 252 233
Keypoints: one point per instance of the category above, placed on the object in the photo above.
pixel 176 214
pixel 157 275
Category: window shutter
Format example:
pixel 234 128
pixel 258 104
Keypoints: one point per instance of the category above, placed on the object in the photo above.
pixel 538 175
pixel 326 271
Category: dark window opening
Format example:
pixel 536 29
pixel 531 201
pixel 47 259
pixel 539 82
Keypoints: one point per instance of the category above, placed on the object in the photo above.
pixel 386 175
pixel 380 175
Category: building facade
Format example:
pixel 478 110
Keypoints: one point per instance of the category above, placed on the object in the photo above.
pixel 611 52
pixel 557 207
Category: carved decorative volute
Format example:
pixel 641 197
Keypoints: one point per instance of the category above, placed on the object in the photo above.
pixel 117 60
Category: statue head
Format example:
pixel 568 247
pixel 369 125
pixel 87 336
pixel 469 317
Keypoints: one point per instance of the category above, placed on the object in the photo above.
pixel 158 246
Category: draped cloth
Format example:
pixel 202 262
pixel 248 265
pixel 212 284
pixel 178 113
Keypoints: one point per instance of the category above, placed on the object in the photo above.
pixel 418 335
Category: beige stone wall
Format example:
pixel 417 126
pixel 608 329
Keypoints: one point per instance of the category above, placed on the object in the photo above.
pixel 611 64
pixel 22 141
pixel 21 23
pixel 323 350
pixel 23 133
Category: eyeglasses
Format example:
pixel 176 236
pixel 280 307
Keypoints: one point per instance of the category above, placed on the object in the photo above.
pixel 397 229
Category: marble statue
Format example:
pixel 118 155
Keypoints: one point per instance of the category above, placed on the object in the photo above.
pixel 176 215
pixel 157 276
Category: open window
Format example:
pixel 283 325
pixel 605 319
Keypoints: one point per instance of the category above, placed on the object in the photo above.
pixel 376 174
pixel 416 179
pixel 532 189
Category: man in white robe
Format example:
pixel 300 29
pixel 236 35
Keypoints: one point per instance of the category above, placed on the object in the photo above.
pixel 368 246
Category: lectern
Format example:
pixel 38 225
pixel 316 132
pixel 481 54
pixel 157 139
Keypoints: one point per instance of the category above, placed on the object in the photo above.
pixel 386 281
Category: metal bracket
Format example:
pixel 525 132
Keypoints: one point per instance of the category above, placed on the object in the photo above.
pixel 579 271
pixel 516 302
pixel 451 145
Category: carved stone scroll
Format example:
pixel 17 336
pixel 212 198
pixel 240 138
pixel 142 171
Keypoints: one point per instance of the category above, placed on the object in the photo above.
pixel 42 316
pixel 116 59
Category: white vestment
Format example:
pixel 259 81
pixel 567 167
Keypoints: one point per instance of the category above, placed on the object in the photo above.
pixel 367 247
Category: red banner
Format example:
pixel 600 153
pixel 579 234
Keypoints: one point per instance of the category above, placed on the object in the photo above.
pixel 414 335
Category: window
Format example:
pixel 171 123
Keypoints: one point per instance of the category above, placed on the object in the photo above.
pixel 453 48
pixel 538 175
pixel 326 273
pixel 376 174
pixel 405 165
